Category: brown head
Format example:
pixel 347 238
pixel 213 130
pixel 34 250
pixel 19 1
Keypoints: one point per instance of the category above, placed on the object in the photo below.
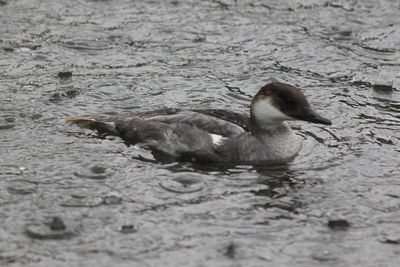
pixel 277 102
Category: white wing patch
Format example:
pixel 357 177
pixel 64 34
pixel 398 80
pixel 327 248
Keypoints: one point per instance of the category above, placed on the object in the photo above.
pixel 217 139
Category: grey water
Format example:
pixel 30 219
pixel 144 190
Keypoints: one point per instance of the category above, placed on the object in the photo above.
pixel 69 197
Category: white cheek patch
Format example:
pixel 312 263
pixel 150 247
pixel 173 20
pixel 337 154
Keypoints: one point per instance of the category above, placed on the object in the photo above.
pixel 265 112
pixel 217 139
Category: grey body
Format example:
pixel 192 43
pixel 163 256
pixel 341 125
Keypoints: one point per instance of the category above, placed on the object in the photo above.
pixel 216 135
pixel 278 145
pixel 186 135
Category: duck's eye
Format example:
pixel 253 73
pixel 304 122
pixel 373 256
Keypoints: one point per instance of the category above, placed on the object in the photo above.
pixel 290 101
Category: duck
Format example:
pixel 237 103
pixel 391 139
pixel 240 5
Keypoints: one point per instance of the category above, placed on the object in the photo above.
pixel 217 135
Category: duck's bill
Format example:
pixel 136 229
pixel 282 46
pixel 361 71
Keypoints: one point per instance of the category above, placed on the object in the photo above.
pixel 312 116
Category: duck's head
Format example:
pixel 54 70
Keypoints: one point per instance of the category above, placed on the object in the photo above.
pixel 277 102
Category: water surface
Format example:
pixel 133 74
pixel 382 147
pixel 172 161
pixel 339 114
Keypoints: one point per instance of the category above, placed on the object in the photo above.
pixel 71 198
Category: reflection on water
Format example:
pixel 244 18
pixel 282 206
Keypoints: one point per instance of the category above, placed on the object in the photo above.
pixel 112 203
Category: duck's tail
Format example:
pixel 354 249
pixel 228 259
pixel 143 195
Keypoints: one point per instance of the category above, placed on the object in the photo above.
pixel 99 124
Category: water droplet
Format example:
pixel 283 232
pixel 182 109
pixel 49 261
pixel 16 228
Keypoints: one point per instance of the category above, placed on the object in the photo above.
pixel 112 198
pixel 338 224
pixel 64 74
pixel 55 229
pixel 57 224
pixel 127 229
pixel 98 169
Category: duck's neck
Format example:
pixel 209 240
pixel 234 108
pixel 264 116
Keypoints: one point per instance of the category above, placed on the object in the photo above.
pixel 266 118
pixel 268 129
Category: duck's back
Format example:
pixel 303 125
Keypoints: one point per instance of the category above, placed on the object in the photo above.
pixel 215 121
pixel 193 134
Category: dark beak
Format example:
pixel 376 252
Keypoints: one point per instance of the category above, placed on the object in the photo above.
pixel 312 116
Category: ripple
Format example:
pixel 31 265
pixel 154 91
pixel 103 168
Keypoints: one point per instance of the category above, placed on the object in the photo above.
pixel 96 172
pixel 312 250
pixel 390 234
pixel 66 93
pixel 86 45
pixel 22 187
pixel 142 55
pixel 77 202
pixel 84 200
pixel 55 229
pixel 7 126
pixel 323 255
pixel 11 170
pixel 183 184
pixel 387 80
pixel 383 40
pixel 284 203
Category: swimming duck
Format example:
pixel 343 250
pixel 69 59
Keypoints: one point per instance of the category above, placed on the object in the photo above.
pixel 217 135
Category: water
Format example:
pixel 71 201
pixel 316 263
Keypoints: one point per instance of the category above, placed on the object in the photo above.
pixel 71 198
